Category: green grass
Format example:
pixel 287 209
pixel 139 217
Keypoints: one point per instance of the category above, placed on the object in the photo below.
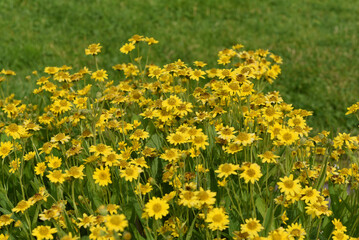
pixel 317 40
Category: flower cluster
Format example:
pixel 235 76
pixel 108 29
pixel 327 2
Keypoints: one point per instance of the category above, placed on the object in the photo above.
pixel 176 151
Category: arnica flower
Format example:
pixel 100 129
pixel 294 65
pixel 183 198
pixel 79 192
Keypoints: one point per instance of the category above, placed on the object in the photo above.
pixel 100 75
pixel 157 208
pixel 295 230
pixel 22 206
pixel 56 176
pixel 251 172
pixel 128 47
pixel 130 173
pixel 6 220
pixel 15 131
pixel 226 169
pixel 268 157
pixel 278 234
pixel 217 219
pixel 252 227
pixel 93 49
pixel 44 232
pixel 101 149
pixel 69 237
pixel 61 137
pixel 206 197
pixel 102 176
pixel 76 172
pixel 116 222
pixel 289 186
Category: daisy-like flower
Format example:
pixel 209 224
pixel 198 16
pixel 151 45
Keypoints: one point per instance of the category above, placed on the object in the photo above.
pixel 296 231
pixel 171 103
pixel 139 134
pixel 100 75
pixel 76 172
pixel 251 172
pixel 93 49
pixel 61 137
pixel 309 195
pixel 128 47
pixel 206 197
pixel 101 149
pixel 289 186
pixel 22 206
pixel 157 208
pixel 56 176
pixel 116 222
pixel 15 131
pixel 188 199
pixel 244 138
pixel 130 173
pixel 69 237
pixel 287 136
pixel 176 138
pixel 5 148
pixel 200 141
pixel 217 219
pixel 278 234
pixel 252 227
pixel 226 133
pixel 268 157
pixel 102 176
pixel 226 169
pixel 44 232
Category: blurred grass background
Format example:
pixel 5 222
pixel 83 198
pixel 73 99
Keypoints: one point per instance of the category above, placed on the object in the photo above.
pixel 318 41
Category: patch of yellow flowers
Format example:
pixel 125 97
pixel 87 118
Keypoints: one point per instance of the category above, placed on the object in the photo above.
pixel 171 152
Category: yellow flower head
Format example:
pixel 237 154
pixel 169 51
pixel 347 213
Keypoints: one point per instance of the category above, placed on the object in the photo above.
pixel 217 219
pixel 157 208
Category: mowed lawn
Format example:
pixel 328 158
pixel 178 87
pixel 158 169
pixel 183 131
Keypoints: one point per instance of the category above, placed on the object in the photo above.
pixel 318 41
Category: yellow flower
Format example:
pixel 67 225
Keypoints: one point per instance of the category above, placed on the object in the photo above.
pixel 252 227
pixel 252 172
pixel 44 232
pixel 14 165
pixel 289 186
pixel 15 131
pixel 69 237
pixel 93 49
pixel 100 75
pixel 61 137
pixel 206 197
pixel 278 234
pixel 54 162
pixel 188 198
pixel 76 172
pixel 101 149
pixel 157 208
pixel 176 138
pixel 6 220
pixel 40 168
pixel 268 157
pixel 217 219
pixel 128 47
pixel 130 173
pixel 4 237
pixel 116 222
pixel 296 231
pixel 86 221
pixel 102 176
pixel 56 176
pixel 309 194
pixel 287 136
pixel 226 169
pixel 22 206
